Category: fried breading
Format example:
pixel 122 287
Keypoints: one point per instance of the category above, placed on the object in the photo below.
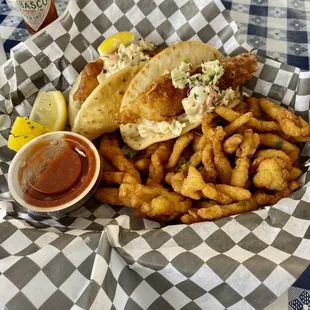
pixel 237 123
pixel 208 163
pixel 249 144
pixel 231 144
pixel 254 123
pixel 179 146
pixel 238 70
pixel 166 204
pixel 216 212
pixel 109 148
pixel 88 80
pixel 240 174
pixel 236 193
pixel 271 174
pixel 292 125
pixel 111 196
pixel 159 102
pixel 254 106
pixel 191 217
pixel 279 143
pixel 118 178
pixel 156 168
pixel 294 174
pixel 265 198
pixel 222 164
pixel 142 164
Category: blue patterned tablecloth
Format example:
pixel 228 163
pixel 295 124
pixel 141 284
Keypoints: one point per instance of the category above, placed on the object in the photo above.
pixel 280 29
pixel 12 26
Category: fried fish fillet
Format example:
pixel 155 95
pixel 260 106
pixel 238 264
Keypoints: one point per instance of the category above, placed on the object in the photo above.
pixel 88 80
pixel 161 101
pixel 238 70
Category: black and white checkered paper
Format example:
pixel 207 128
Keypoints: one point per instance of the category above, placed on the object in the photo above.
pixel 101 257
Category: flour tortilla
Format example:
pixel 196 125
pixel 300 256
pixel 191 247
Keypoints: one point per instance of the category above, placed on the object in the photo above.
pixel 97 114
pixel 168 59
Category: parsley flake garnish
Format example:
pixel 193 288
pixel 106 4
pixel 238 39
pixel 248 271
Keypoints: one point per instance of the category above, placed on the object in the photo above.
pixel 195 96
pixel 184 162
pixel 279 145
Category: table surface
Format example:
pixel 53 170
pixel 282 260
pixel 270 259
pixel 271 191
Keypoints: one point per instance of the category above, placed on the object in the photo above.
pixel 280 29
pixel 12 27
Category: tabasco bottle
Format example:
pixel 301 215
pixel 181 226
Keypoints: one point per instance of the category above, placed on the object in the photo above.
pixel 37 13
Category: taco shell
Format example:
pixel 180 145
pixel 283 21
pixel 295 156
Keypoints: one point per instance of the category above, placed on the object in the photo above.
pixel 168 59
pixel 97 114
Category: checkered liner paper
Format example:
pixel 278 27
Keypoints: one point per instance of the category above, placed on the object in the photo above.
pixel 101 257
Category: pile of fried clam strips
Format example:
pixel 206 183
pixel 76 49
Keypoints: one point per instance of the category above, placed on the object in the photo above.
pixel 244 156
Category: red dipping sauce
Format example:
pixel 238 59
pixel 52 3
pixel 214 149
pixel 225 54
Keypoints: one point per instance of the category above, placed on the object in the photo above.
pixel 57 171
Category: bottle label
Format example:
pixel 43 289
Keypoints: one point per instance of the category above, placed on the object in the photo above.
pixel 34 11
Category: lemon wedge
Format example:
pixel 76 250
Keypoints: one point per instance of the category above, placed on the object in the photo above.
pixel 50 110
pixel 23 131
pixel 111 44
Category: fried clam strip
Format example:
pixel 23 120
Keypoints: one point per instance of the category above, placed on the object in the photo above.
pixel 294 174
pixel 138 193
pixel 240 174
pixel 194 186
pixel 237 123
pixel 142 164
pixel 179 146
pixel 277 142
pixel 271 153
pixel 231 144
pixel 165 205
pixel 218 211
pixel 236 193
pixel 206 124
pixel 222 164
pixel 257 124
pixel 192 213
pixel 156 169
pixel 233 103
pixel 199 142
pixel 191 216
pixel 242 108
pixel 207 158
pixel 109 148
pixel 193 161
pixel 118 178
pixel 111 196
pixel 149 151
pixel 249 144
pixel 106 165
pixel 160 218
pixel 254 106
pixel 154 202
pixel 264 198
pixel 272 174
pixel 291 125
